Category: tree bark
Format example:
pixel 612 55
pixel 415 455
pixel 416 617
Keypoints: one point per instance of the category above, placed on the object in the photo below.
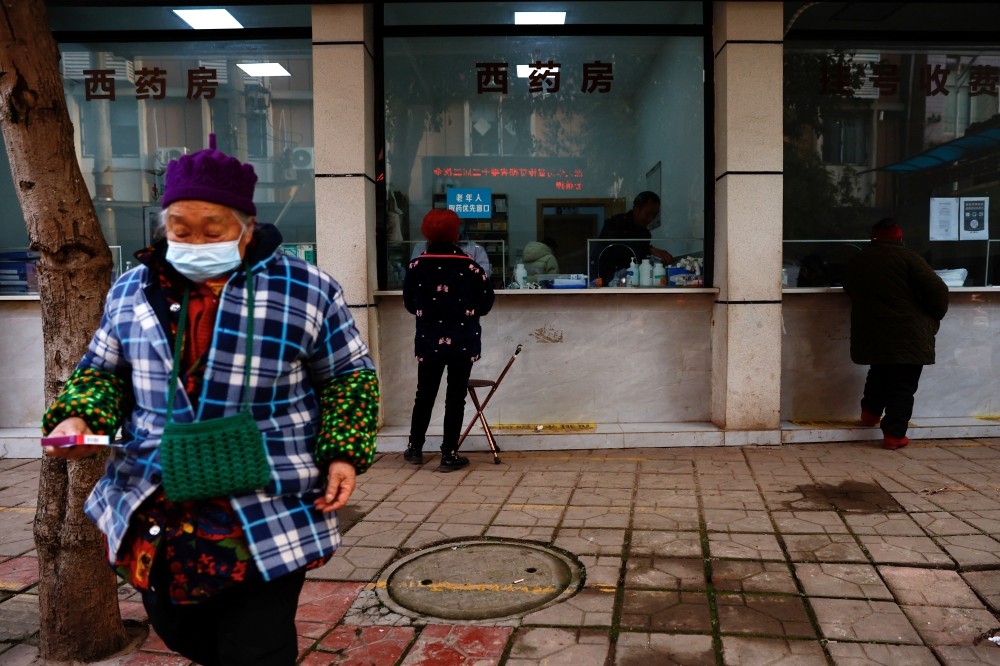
pixel 80 619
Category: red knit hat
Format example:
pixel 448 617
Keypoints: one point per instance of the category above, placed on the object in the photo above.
pixel 886 229
pixel 440 226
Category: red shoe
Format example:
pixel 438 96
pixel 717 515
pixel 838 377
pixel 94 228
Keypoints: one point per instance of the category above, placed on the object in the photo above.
pixel 869 419
pixel 893 443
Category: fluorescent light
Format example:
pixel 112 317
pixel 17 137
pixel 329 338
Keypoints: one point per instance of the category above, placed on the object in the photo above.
pixel 208 19
pixel 524 71
pixel 539 18
pixel 263 69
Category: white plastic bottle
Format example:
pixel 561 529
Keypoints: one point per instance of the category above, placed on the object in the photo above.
pixel 646 274
pixel 632 276
pixel 659 274
pixel 521 275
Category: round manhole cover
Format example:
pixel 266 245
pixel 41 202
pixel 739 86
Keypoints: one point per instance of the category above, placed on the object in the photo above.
pixel 479 580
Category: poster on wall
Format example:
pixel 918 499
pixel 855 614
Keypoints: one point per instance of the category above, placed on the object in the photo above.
pixel 975 218
pixel 471 201
pixel 944 218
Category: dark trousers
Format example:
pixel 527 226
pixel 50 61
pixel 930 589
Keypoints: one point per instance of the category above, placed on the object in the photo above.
pixel 249 624
pixel 890 388
pixel 428 381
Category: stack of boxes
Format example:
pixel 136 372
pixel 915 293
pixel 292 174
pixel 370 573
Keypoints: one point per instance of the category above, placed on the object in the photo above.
pixel 306 251
pixel 17 272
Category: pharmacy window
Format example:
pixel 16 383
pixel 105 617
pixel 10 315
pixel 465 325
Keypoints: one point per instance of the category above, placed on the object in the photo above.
pixel 542 144
pixel 907 133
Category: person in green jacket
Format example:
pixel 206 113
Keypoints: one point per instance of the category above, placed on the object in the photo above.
pixel 897 304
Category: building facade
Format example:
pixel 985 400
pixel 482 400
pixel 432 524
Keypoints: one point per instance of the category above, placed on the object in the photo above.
pixel 774 135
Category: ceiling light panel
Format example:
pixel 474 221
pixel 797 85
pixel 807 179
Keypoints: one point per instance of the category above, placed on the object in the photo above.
pixel 263 69
pixel 208 19
pixel 539 18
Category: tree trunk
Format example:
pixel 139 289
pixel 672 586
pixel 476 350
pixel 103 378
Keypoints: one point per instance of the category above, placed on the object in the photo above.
pixel 79 606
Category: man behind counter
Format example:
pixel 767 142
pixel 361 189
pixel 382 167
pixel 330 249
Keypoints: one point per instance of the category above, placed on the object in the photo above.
pixel 633 224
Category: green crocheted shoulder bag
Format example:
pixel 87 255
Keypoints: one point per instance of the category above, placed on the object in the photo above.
pixel 218 457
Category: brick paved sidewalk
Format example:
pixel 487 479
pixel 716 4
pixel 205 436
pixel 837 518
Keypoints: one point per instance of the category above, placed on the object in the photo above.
pixel 814 554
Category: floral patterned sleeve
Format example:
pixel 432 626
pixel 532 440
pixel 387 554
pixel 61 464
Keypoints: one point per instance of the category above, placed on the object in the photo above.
pixel 348 420
pixel 96 396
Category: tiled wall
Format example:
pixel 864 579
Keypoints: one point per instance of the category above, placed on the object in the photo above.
pixel 22 364
pixel 595 358
pixel 819 381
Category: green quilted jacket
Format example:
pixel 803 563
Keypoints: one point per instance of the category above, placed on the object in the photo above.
pixel 897 304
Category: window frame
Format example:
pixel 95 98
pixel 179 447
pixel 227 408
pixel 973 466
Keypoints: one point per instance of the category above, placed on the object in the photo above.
pixel 915 40
pixel 702 30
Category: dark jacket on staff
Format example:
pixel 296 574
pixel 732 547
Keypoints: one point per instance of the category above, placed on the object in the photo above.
pixel 448 292
pixel 897 304
pixel 617 257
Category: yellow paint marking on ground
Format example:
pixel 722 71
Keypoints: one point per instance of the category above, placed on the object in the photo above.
pixel 615 459
pixel 834 423
pixel 11 586
pixel 959 445
pixel 937 444
pixel 542 427
pixel 477 587
pixel 17 509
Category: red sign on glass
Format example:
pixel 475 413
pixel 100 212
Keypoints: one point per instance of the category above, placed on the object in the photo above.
pixel 983 80
pixel 150 83
pixel 491 77
pixel 933 80
pixel 99 84
pixel 597 77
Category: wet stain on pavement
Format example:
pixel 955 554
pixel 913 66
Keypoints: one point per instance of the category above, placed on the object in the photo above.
pixel 851 496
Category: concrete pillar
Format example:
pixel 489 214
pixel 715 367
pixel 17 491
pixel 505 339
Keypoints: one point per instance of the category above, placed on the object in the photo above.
pixel 237 112
pixel 104 177
pixel 344 122
pixel 746 323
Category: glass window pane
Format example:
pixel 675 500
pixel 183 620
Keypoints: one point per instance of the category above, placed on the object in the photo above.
pixel 12 231
pixel 890 132
pixel 167 99
pixel 610 118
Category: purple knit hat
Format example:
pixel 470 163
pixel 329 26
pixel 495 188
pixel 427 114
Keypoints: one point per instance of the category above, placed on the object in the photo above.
pixel 211 175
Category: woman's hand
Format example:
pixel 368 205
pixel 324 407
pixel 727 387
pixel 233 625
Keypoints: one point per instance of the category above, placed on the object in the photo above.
pixel 73 426
pixel 339 486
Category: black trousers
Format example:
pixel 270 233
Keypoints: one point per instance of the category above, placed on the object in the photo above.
pixel 428 381
pixel 250 624
pixel 890 388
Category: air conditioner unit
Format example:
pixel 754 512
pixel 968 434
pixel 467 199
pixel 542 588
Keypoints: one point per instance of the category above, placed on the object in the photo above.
pixel 165 155
pixel 303 159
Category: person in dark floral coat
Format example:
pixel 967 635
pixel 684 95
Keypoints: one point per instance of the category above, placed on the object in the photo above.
pixel 448 292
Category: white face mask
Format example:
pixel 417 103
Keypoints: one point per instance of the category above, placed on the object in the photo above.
pixel 201 262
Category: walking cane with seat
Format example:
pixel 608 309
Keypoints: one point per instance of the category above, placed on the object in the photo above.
pixel 480 408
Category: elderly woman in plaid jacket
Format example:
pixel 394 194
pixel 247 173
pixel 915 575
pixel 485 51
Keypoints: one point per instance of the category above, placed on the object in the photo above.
pixel 220 576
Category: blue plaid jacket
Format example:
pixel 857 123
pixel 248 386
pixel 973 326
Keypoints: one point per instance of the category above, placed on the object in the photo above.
pixel 303 335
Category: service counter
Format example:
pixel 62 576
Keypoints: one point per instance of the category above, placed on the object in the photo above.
pixel 635 363
pixel 594 356
pixel 819 381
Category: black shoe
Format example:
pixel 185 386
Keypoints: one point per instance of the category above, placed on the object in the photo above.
pixel 450 461
pixel 413 455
